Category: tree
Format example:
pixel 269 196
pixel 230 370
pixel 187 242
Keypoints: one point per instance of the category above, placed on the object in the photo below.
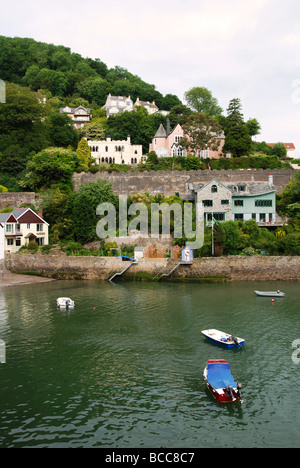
pixel 61 131
pixel 23 129
pixel 50 167
pixel 279 150
pixel 253 127
pixel 201 132
pixel 237 138
pixel 85 204
pixel 84 154
pixel 201 100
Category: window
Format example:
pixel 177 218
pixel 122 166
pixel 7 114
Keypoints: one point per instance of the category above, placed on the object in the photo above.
pixel 224 202
pixel 10 242
pixel 9 228
pixel 239 217
pixel 207 202
pixel 214 189
pixel 28 226
pixel 238 202
pixel 219 216
pixel 262 218
pixel 263 203
pixel 18 242
pixel 39 227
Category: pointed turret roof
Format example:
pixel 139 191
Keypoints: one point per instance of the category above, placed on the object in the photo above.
pixel 161 132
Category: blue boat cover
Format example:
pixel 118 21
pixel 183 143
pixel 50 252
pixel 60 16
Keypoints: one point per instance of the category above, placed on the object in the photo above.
pixel 219 375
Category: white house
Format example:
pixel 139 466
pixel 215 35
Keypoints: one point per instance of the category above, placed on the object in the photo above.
pixel 116 151
pixel 117 104
pixel 80 115
pixel 21 226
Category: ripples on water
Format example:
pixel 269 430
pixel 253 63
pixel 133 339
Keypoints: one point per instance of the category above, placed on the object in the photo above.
pixel 124 369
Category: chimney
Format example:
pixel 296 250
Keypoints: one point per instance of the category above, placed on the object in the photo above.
pixel 270 179
pixel 168 127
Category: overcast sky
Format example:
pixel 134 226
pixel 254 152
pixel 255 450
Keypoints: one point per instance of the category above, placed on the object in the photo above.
pixel 235 48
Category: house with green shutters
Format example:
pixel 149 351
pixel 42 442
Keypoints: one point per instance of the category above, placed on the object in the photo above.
pixel 226 201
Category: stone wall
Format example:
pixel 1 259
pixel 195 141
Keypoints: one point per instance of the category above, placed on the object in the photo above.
pixel 15 199
pixel 235 268
pixel 128 183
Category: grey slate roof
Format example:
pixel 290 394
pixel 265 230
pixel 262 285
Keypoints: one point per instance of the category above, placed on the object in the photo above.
pixel 161 132
pixel 252 188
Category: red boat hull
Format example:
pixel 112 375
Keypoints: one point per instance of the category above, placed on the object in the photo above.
pixel 223 397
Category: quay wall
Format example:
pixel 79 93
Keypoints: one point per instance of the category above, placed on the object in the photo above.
pixel 232 268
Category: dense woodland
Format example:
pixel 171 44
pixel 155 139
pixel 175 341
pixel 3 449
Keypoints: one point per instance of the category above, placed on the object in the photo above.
pixel 40 149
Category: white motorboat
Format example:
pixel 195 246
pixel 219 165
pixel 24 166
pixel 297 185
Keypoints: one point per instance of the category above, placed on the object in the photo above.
pixel 65 303
pixel 224 339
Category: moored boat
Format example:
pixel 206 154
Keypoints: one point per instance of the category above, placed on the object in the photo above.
pixel 270 293
pixel 223 339
pixel 65 303
pixel 220 381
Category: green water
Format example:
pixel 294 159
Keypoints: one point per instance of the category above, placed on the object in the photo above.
pixel 124 369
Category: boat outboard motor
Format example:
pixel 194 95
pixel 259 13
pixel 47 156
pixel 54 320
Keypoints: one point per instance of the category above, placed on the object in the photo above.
pixel 229 391
pixel 234 339
pixel 239 394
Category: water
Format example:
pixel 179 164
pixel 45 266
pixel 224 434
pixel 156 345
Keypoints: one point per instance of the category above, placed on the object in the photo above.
pixel 124 369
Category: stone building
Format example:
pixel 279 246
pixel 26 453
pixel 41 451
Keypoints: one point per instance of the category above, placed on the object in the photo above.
pixel 242 200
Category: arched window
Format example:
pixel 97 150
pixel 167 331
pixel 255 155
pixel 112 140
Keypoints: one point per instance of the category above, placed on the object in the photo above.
pixel 110 161
pixel 214 189
pixel 106 149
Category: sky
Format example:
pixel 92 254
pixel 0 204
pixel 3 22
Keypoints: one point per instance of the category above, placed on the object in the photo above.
pixel 235 48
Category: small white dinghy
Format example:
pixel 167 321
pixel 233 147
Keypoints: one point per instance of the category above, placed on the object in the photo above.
pixel 65 303
pixel 270 293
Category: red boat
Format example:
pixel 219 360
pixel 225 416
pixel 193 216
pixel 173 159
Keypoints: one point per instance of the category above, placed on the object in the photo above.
pixel 220 382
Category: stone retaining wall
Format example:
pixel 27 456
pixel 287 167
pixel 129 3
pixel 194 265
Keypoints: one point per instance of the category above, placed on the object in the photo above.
pixel 128 183
pixel 235 268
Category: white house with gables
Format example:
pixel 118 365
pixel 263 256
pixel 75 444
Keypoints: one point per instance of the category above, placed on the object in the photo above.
pixel 20 227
